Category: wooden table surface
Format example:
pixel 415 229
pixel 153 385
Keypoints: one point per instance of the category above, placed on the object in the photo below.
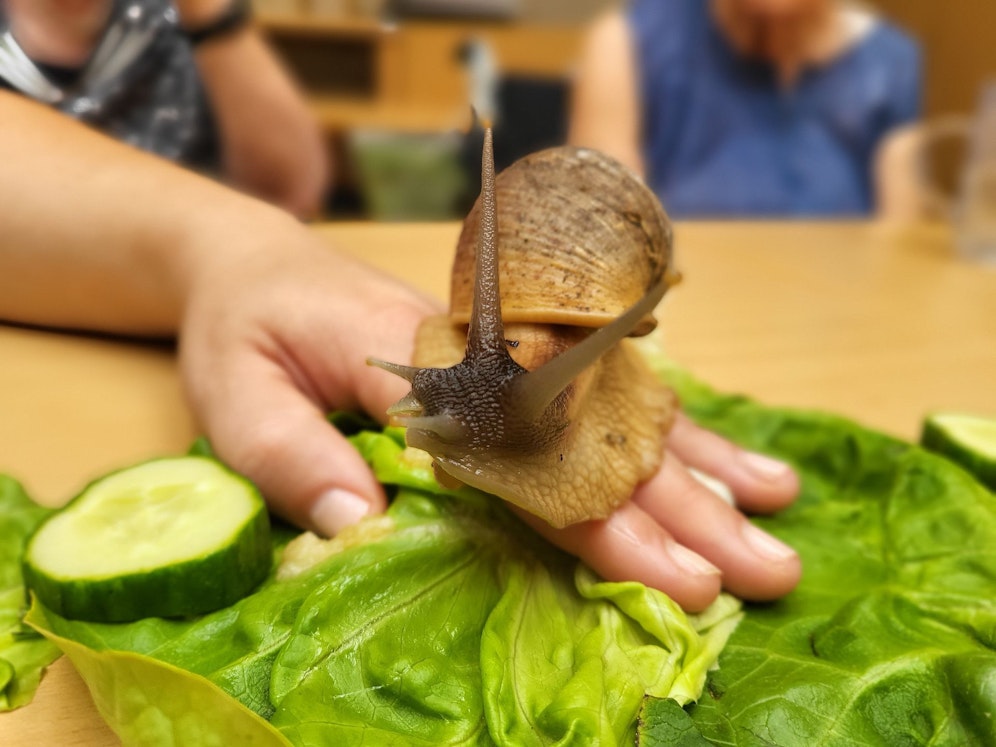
pixel 873 322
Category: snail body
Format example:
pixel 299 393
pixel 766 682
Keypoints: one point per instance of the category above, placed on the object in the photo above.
pixel 555 412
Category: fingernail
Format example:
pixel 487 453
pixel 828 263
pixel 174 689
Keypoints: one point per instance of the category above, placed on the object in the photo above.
pixel 336 510
pixel 690 562
pixel 765 545
pixel 717 486
pixel 764 467
pixel 620 526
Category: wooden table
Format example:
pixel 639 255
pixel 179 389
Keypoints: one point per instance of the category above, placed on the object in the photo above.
pixel 876 323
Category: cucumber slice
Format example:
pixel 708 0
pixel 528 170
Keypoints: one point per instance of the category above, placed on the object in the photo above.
pixel 969 440
pixel 166 538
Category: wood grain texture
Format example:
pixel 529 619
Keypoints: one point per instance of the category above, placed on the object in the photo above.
pixel 875 323
pixel 959 56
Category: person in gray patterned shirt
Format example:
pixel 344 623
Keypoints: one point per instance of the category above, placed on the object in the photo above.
pixel 190 81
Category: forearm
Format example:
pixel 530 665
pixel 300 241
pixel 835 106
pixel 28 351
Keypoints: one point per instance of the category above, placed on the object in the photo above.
pixel 97 235
pixel 605 107
pixel 272 146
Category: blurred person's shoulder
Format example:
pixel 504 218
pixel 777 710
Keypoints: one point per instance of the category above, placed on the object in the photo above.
pixel 666 16
pixel 876 35
pixel 665 31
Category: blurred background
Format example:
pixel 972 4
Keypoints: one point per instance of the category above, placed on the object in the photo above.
pixel 388 80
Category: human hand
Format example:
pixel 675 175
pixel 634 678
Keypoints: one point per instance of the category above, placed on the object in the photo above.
pixel 680 536
pixel 271 343
pixel 272 339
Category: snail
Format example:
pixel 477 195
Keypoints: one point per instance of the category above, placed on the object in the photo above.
pixel 550 407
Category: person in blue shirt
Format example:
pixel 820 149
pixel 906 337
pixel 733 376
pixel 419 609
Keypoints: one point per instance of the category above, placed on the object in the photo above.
pixel 751 107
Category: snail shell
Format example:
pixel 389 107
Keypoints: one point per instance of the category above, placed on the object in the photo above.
pixel 560 419
pixel 571 219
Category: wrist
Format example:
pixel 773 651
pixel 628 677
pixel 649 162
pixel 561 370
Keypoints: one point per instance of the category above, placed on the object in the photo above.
pixel 203 20
pixel 194 13
pixel 226 242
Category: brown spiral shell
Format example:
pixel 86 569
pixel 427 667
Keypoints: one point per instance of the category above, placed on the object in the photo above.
pixel 581 240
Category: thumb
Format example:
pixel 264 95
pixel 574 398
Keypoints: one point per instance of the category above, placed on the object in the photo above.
pixel 263 426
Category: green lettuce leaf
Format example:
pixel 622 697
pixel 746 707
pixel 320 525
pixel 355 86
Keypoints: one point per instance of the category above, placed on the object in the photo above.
pixel 890 637
pixel 455 626
pixel 463 628
pixel 541 691
pixel 664 723
pixel 148 702
pixel 24 654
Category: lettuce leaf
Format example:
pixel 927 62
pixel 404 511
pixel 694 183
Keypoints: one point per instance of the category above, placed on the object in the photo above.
pixel 457 626
pixel 890 639
pixel 24 654
pixel 663 723
pixel 148 702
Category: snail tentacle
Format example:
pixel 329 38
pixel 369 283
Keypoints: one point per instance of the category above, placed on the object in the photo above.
pixel 535 390
pixel 443 427
pixel 405 372
pixel 486 333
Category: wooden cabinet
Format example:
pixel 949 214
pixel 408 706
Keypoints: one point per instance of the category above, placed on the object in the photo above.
pixel 958 45
pixel 406 76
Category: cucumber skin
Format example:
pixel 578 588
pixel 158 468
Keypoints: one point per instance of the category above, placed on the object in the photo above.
pixel 197 586
pixel 935 439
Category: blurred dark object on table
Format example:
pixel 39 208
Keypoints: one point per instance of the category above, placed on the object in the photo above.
pixel 489 9
pixel 532 115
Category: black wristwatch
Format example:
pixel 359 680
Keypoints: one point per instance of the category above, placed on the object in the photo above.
pixel 236 16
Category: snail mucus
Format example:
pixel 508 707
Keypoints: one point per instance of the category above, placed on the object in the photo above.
pixel 533 393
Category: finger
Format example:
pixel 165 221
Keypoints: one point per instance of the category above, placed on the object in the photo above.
pixel 390 337
pixel 335 360
pixel 759 483
pixel 631 546
pixel 265 428
pixel 754 564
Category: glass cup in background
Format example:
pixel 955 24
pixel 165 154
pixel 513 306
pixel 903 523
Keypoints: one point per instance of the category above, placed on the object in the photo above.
pixel 972 209
pixel 975 212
